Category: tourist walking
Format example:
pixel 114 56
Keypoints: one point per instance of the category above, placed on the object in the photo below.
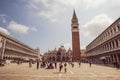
pixel 117 65
pixel 60 67
pixel 37 64
pixel 65 67
pixel 72 65
pixel 90 63
pixel 55 65
pixel 79 64
pixel 30 63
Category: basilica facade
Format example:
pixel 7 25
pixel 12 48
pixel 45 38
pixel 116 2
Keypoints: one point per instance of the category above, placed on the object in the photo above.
pixel 57 55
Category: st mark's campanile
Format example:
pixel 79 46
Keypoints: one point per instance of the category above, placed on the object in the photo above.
pixel 75 38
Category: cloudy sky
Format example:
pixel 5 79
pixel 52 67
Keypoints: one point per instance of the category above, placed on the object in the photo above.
pixel 47 23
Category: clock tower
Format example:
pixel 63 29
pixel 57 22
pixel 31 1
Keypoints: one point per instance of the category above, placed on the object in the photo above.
pixel 75 38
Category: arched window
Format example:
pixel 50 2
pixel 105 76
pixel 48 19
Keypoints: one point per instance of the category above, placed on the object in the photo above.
pixel 63 58
pixel 111 32
pixel 107 46
pixel 118 27
pixel 103 47
pixel 67 58
pixel 116 42
pixel 114 30
pixel 58 53
pixel 108 33
pixel 110 45
pixel 53 58
pixel 113 44
pixel 50 58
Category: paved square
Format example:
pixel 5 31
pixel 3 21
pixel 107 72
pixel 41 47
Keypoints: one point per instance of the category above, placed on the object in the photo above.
pixel 23 72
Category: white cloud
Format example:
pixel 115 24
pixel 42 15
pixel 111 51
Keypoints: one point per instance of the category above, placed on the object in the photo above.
pixel 45 2
pixel 82 47
pixel 97 25
pixel 115 2
pixel 4 31
pixel 51 11
pixel 67 46
pixel 3 18
pixel 70 2
pixel 93 3
pixel 53 8
pixel 33 29
pixel 2 15
pixel 48 15
pixel 18 27
pixel 32 5
pixel 79 3
pixel 4 21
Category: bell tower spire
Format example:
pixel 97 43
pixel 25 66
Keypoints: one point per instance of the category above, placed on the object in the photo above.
pixel 74 15
pixel 75 38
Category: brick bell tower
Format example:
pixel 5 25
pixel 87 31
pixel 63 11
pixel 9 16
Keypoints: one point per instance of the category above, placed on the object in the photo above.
pixel 75 38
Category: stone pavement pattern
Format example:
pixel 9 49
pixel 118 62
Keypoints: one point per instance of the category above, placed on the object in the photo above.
pixel 23 72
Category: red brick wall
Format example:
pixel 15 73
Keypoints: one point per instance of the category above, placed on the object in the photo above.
pixel 75 46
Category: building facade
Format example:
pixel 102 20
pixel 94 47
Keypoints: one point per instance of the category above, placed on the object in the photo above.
pixel 58 55
pixel 12 49
pixel 83 56
pixel 75 38
pixel 106 47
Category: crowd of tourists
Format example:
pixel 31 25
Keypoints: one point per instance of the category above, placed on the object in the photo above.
pixel 54 65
